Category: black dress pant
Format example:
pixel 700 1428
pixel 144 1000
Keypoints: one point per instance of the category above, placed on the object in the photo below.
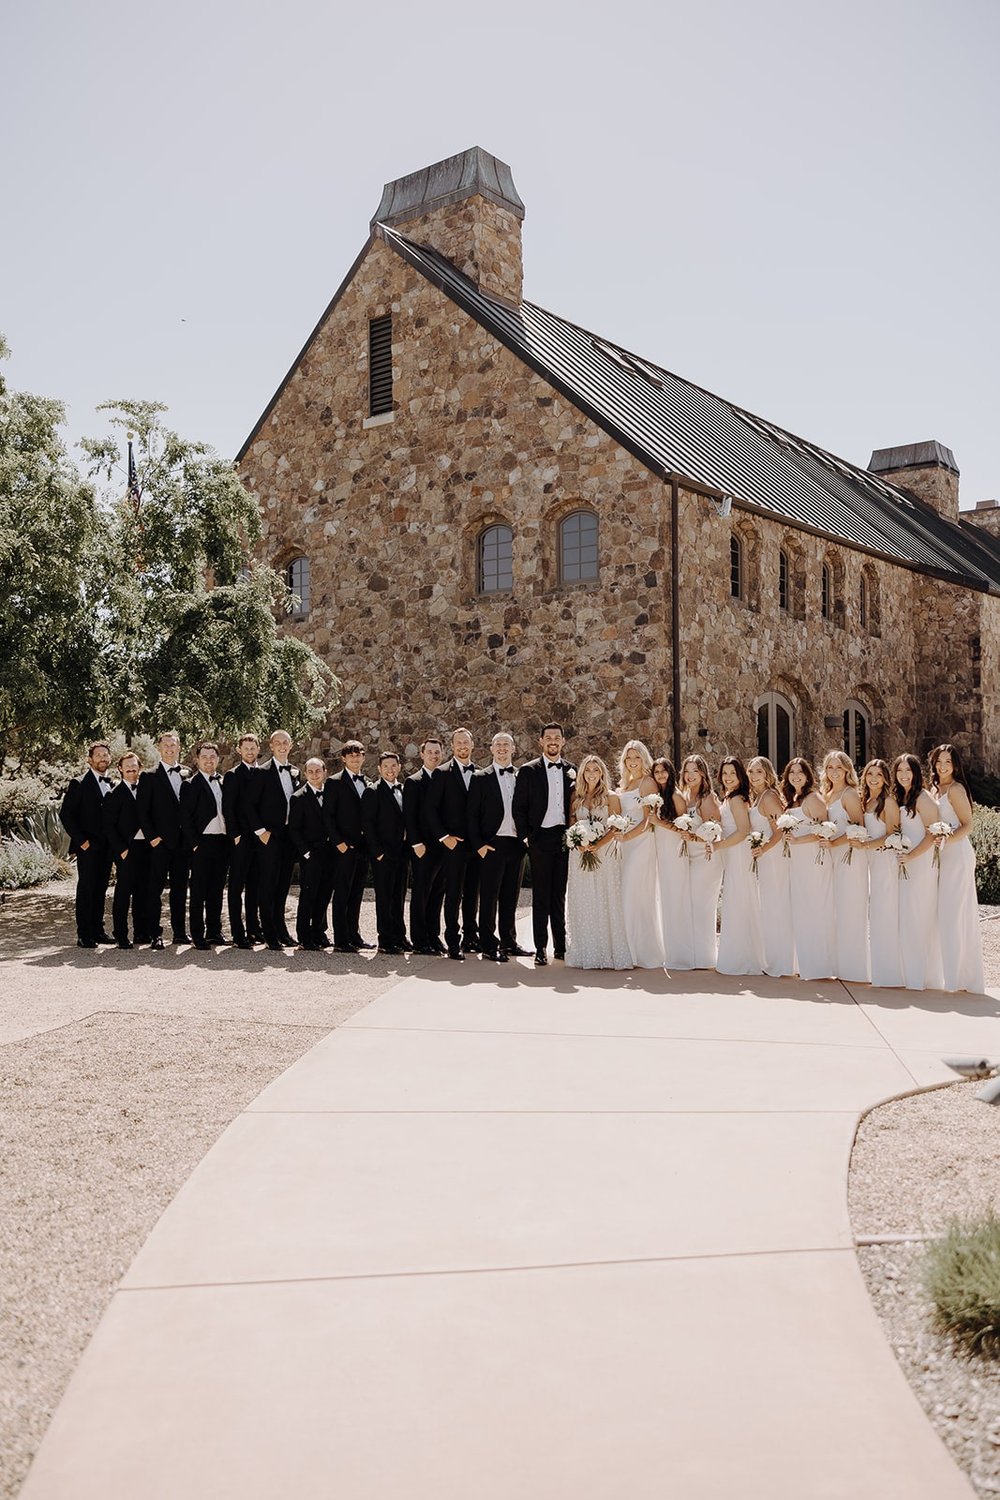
pixel 173 865
pixel 93 873
pixel 275 861
pixel 315 892
pixel 208 881
pixel 426 896
pixel 389 879
pixel 349 872
pixel 244 916
pixel 131 891
pixel 499 887
pixel 461 895
pixel 549 871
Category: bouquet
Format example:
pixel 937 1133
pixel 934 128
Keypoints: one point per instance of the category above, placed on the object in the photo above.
pixel 786 822
pixel 756 840
pixel 940 832
pixel 581 836
pixel 686 823
pixel 652 802
pixel 827 831
pixel 621 824
pixel 856 834
pixel 899 843
pixel 710 833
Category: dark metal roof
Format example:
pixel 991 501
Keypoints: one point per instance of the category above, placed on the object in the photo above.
pixel 677 428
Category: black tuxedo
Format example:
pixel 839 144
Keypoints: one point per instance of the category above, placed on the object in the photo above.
pixel 343 808
pixel 268 808
pixel 160 814
pixel 426 870
pixel 501 869
pixel 309 832
pixel 447 812
pixel 209 857
pixel 122 820
pixel 385 837
pixel 82 816
pixel 549 857
pixel 237 801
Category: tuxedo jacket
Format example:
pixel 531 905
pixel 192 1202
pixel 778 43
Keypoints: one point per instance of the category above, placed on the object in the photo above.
pixel 267 804
pixel 198 808
pixel 122 817
pixel 385 827
pixel 308 828
pixel 448 803
pixel 485 807
pixel 531 795
pixel 342 805
pixel 82 813
pixel 237 799
pixel 159 807
pixel 416 790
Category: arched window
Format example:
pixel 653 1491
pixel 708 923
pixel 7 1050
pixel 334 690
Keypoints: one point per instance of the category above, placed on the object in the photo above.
pixel 297 579
pixel 826 593
pixel 578 547
pixel 857 732
pixel 775 729
pixel 495 561
pixel 863 603
pixel 782 579
pixel 736 583
pixel 869 601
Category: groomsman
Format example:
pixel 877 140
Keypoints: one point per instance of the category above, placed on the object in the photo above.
pixel 343 809
pixel 159 801
pixel 426 854
pixel 82 816
pixel 270 794
pixel 130 851
pixel 542 798
pixel 385 836
pixel 309 832
pixel 448 820
pixel 205 836
pixel 237 802
pixel 493 835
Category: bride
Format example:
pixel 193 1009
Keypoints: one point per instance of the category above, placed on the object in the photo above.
pixel 595 926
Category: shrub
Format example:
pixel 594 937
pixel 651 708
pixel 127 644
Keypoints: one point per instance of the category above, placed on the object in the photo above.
pixel 20 798
pixel 986 842
pixel 23 864
pixel 962 1279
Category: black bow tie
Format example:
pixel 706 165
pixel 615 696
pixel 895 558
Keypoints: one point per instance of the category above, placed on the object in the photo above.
pixel 505 770
pixel 555 765
pixel 359 779
pixel 215 778
pixel 318 796
pixel 105 779
pixel 173 770
pixel 285 768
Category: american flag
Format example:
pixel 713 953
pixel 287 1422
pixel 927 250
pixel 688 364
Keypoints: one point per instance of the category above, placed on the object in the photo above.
pixel 134 492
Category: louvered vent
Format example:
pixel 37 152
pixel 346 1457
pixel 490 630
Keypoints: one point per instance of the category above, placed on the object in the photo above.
pixel 379 366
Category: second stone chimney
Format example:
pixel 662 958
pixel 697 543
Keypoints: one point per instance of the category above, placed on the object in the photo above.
pixel 927 470
pixel 468 208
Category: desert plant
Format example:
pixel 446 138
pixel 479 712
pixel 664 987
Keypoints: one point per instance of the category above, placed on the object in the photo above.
pixel 44 827
pixel 23 864
pixel 962 1279
pixel 20 798
pixel 986 842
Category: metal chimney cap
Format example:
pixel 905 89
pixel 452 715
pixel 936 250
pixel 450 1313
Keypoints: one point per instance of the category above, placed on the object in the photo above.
pixel 471 172
pixel 929 455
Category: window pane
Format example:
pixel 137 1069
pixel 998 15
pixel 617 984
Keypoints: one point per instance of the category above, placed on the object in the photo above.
pixel 578 547
pixel 782 581
pixel 735 567
pixel 861 741
pixel 297 577
pixel 783 738
pixel 496 559
pixel 763 737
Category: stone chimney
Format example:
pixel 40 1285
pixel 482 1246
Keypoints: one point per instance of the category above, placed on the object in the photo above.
pixel 468 208
pixel 986 515
pixel 927 470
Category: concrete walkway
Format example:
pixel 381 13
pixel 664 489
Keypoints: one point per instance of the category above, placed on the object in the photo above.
pixel 524 1235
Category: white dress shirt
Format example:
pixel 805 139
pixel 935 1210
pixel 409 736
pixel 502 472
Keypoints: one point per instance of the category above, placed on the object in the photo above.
pixel 103 786
pixel 506 829
pixel 218 823
pixel 135 795
pixel 174 779
pixel 555 813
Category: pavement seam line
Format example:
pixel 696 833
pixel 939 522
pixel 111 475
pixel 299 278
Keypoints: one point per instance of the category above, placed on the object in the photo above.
pixel 610 1036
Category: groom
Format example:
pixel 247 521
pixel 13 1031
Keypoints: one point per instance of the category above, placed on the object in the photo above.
pixel 542 795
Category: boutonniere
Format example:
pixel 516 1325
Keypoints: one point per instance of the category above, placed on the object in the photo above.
pixel 571 775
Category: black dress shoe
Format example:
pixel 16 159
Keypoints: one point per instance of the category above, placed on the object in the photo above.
pixel 425 953
pixel 344 948
pixel 362 944
pixel 472 947
pixel 256 936
pixel 561 954
pixel 86 943
pixel 436 946
pixel 288 940
pixel 517 951
pixel 244 943
pixel 392 951
pixel 495 958
pixel 323 942
pixel 540 959
pixel 105 937
pixel 218 941
pixel 310 948
pixel 157 945
pixel 181 937
pixel 275 947
pixel 406 945
pixel 124 943
pixel 202 944
pixel 457 954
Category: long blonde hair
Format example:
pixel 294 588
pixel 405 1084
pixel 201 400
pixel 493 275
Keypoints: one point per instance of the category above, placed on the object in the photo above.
pixel 840 758
pixel 770 774
pixel 580 793
pixel 647 760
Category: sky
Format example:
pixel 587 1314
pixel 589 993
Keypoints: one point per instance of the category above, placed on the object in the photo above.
pixel 794 205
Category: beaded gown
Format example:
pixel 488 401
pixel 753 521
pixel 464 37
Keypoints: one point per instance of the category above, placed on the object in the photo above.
pixel 883 909
pixel 640 893
pixel 850 903
pixel 811 880
pixel 918 917
pixel 741 945
pixel 595 928
pixel 775 902
pixel 958 911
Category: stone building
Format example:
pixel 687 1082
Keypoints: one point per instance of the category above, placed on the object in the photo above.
pixel 492 517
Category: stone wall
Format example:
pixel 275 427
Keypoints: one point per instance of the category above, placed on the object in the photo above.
pixel 481 238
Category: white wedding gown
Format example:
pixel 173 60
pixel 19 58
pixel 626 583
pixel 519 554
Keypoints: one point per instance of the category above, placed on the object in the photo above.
pixel 640 891
pixel 595 929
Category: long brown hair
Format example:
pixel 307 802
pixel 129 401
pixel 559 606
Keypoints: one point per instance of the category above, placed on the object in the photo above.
pixel 957 769
pixel 706 789
pixel 742 781
pixel 666 792
pixel 869 801
pixel 908 799
pixel 791 799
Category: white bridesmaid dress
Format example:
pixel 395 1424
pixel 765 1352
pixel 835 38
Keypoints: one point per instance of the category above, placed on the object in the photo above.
pixel 812 904
pixel 594 924
pixel 741 945
pixel 883 909
pixel 640 893
pixel 918 917
pixel 672 871
pixel 704 880
pixel 850 904
pixel 958 911
pixel 775 899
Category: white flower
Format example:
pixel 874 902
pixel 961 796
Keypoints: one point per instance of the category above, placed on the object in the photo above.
pixel 786 822
pixel 826 829
pixel 898 842
pixel 756 838
pixel 941 830
pixel 857 833
pixel 709 831
pixel 685 822
pixel 652 800
pixel 620 823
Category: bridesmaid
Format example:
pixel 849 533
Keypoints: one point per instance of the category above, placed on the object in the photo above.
pixel 839 789
pixel 741 946
pixel 704 872
pixel 638 850
pixel 918 919
pixel 958 904
pixel 881 812
pixel 772 868
pixel 672 871
pixel 811 876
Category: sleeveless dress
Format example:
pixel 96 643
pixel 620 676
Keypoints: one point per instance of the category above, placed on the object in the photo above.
pixel 775 903
pixel 883 909
pixel 672 872
pixel 595 930
pixel 812 904
pixel 640 895
pixel 850 903
pixel 741 945
pixel 918 918
pixel 704 880
pixel 958 911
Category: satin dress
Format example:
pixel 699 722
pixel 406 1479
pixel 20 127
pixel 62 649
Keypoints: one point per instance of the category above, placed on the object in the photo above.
pixel 958 911
pixel 774 894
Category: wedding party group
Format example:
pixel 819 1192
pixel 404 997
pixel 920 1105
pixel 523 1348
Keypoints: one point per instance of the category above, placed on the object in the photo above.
pixel 868 879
